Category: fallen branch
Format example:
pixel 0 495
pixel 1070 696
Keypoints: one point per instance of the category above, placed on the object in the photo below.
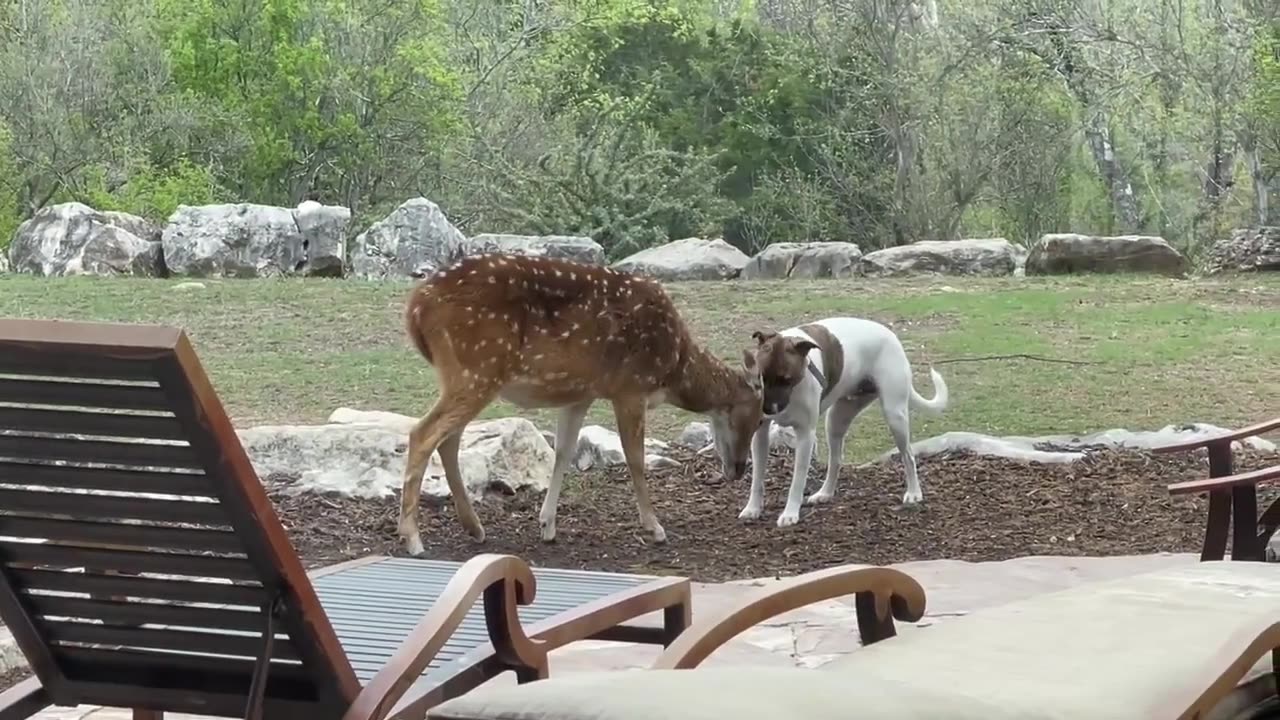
pixel 1017 356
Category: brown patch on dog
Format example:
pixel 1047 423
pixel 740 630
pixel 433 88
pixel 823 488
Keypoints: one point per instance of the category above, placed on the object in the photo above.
pixel 832 354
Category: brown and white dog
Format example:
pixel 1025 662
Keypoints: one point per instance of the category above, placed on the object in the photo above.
pixel 836 366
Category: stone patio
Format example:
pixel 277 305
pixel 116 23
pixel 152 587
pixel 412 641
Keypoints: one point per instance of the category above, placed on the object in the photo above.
pixel 819 633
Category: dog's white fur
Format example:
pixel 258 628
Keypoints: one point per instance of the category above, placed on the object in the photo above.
pixel 871 352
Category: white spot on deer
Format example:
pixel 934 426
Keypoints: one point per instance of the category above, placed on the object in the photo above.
pixel 492 315
pixel 636 307
pixel 573 276
pixel 558 273
pixel 493 280
pixel 466 373
pixel 481 344
pixel 474 272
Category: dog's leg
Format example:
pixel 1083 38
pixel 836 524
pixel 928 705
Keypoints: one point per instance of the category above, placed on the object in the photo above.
pixel 759 468
pixel 839 418
pixel 899 421
pixel 806 439
pixel 568 425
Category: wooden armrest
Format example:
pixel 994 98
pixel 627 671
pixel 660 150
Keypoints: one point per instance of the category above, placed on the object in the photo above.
pixel 505 581
pixel 1227 437
pixel 1252 477
pixel 880 591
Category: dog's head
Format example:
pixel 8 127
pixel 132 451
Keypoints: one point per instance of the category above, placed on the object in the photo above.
pixel 783 361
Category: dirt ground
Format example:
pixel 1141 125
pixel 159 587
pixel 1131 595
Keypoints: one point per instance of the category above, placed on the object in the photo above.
pixel 975 508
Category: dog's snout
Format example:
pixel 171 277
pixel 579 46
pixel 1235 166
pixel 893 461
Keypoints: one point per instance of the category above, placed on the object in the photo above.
pixel 773 408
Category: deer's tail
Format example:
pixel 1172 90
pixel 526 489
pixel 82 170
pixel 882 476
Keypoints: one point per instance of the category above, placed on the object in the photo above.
pixel 415 319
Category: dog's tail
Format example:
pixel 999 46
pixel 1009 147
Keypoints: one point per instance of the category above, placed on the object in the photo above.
pixel 940 395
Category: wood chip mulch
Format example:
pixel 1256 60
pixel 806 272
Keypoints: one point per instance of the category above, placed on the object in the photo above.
pixel 976 508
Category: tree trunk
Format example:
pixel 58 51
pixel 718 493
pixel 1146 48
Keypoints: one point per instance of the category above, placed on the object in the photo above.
pixel 1123 201
pixel 1264 210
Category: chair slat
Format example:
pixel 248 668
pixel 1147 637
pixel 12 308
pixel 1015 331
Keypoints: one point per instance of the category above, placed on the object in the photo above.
pixel 89 478
pixel 195 684
pixel 83 505
pixel 120 534
pixel 75 422
pixel 83 394
pixel 186 640
pixel 99 451
pixel 124 613
pixel 140 587
pixel 20 360
pixel 129 561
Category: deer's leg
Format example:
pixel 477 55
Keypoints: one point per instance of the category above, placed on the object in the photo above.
pixel 630 416
pixel 568 425
pixel 451 413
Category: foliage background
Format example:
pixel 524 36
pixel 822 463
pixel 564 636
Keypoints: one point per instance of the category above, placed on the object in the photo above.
pixel 639 121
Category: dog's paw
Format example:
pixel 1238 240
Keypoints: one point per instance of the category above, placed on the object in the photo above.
pixel 820 498
pixel 912 498
pixel 788 518
pixel 659 535
pixel 750 512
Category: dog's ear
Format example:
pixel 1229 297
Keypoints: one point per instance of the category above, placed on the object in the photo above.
pixel 763 336
pixel 749 361
pixel 803 347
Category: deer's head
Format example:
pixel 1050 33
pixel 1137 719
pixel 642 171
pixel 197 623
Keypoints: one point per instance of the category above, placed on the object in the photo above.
pixel 733 425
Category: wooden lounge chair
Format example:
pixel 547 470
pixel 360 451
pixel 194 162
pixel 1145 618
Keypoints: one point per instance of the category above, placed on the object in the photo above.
pixel 1195 641
pixel 175 588
pixel 1233 497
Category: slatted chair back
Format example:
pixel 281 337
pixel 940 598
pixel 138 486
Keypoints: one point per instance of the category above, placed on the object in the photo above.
pixel 141 561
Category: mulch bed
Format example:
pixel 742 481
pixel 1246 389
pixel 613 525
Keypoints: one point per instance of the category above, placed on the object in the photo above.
pixel 975 508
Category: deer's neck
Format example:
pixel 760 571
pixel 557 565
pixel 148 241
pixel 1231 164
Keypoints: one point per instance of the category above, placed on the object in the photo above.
pixel 706 383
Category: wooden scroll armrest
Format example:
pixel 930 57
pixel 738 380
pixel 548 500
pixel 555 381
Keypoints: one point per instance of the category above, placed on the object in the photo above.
pixel 504 581
pixel 882 595
pixel 1253 477
pixel 1227 437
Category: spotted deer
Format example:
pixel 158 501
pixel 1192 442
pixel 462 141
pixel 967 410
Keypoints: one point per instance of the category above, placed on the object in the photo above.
pixel 550 333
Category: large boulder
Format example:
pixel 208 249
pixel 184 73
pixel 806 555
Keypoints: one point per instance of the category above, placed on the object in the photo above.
pixel 246 240
pixel 688 259
pixel 74 239
pixel 1066 253
pixel 568 247
pixel 990 257
pixel 600 447
pixel 362 454
pixel 415 240
pixel 804 261
pixel 1248 249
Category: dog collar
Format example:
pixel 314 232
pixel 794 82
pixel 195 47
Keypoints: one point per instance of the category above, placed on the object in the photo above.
pixel 817 375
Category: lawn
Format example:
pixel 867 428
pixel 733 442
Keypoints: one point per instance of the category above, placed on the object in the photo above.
pixel 1149 351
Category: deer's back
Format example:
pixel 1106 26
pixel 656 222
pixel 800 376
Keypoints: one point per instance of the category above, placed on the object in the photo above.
pixel 556 330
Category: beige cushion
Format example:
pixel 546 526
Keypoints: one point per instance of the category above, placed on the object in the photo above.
pixel 1140 642
pixel 709 694
pixel 1137 647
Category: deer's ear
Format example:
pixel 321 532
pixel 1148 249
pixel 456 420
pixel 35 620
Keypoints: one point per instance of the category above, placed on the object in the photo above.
pixel 749 361
pixel 763 336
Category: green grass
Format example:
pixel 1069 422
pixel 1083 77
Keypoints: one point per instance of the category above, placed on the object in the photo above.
pixel 1167 351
